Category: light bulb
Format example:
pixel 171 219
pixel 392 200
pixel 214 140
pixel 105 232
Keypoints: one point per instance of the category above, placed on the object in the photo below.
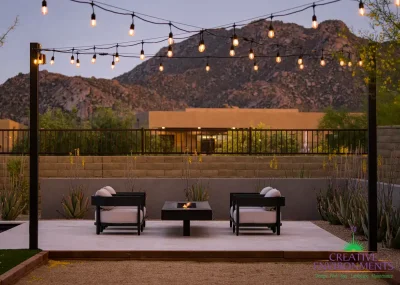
pixel 93 21
pixel 314 22
pixel 300 60
pixel 72 59
pixel 142 55
pixel 113 65
pixel 170 38
pixel 255 66
pixel 35 61
pixel 360 62
pixel 342 63
pixel 232 51
pixel 170 53
pixel 235 41
pixel 202 46
pixel 301 66
pixel 161 68
pixel 94 59
pixel 323 62
pixel 132 30
pixel 78 64
pixel 207 67
pixel 271 32
pixel 116 57
pixel 361 9
pixel 52 60
pixel 349 64
pixel 251 54
pixel 397 3
pixel 278 58
pixel 44 8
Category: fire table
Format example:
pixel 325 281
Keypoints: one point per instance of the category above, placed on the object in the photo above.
pixel 186 211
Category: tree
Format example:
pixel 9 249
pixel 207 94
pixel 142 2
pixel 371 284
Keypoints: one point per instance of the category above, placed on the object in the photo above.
pixel 341 119
pixel 3 37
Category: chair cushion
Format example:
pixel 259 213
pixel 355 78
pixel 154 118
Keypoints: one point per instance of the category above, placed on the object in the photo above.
pixel 265 190
pixel 255 215
pixel 231 211
pixel 273 193
pixel 104 193
pixel 110 189
pixel 120 215
pixel 134 207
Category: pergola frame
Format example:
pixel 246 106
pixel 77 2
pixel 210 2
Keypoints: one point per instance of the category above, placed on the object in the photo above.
pixel 34 154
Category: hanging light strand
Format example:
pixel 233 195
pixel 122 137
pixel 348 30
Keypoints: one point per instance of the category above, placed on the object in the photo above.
pixel 202 46
pixel 314 18
pixel 93 18
pixel 44 7
pixel 271 32
pixel 94 55
pixel 132 27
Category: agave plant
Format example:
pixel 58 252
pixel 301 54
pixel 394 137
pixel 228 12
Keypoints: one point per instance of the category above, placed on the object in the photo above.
pixel 11 205
pixel 75 205
pixel 197 192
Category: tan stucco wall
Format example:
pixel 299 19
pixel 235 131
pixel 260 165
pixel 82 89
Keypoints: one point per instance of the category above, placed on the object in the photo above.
pixel 238 118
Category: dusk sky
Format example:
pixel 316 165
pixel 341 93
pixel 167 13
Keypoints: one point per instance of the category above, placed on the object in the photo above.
pixel 68 24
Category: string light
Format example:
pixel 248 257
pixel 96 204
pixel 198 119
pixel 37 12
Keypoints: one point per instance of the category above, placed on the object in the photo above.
pixel 300 60
pixel 78 64
pixel 161 67
pixel 251 52
pixel 322 62
pixel 202 46
pixel 397 3
pixel 44 7
pixel 132 28
pixel 72 57
pixel 349 64
pixel 113 63
pixel 342 63
pixel 52 59
pixel 360 62
pixel 170 36
pixel 255 66
pixel 207 66
pixel 271 32
pixel 94 55
pixel 361 9
pixel 116 54
pixel 314 18
pixel 301 66
pixel 93 19
pixel 278 58
pixel 170 53
pixel 235 39
pixel 142 57
pixel 232 51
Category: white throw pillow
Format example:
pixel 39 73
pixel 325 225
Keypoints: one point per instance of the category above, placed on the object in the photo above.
pixel 265 190
pixel 110 189
pixel 104 193
pixel 273 193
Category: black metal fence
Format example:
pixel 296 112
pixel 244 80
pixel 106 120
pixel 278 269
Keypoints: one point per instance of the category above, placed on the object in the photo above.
pixel 179 141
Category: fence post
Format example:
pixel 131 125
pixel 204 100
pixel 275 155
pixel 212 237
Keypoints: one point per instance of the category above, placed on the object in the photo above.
pixel 142 141
pixel 250 141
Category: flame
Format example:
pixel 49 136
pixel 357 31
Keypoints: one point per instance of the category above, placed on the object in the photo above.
pixel 187 205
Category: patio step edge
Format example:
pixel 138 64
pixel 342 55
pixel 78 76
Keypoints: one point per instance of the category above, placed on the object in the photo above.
pixel 13 275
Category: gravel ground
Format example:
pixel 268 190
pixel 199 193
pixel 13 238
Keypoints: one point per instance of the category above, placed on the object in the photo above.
pixel 345 234
pixel 180 272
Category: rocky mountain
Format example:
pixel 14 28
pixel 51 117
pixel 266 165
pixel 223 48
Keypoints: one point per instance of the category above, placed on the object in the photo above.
pixel 184 82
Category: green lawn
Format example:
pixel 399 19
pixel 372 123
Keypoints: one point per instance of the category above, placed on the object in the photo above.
pixel 10 258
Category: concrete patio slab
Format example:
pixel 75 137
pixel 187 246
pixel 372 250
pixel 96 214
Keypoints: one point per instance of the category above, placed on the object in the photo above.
pixel 66 235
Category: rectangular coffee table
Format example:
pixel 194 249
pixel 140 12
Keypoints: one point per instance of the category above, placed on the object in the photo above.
pixel 176 211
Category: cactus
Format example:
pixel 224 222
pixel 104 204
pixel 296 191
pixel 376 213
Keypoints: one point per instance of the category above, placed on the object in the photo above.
pixel 75 205
pixel 11 205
